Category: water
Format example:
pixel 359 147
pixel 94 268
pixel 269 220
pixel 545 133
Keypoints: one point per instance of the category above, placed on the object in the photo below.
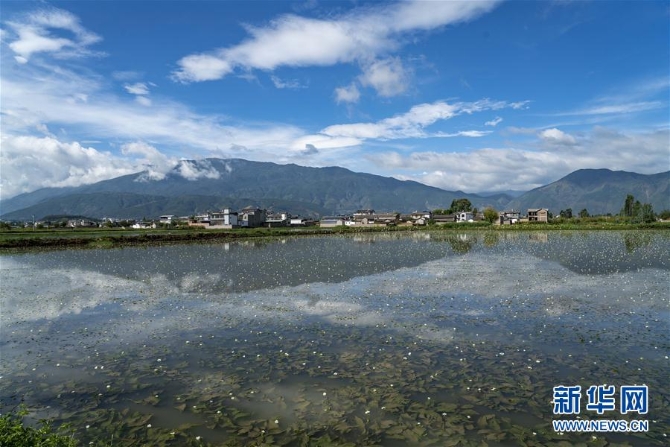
pixel 400 339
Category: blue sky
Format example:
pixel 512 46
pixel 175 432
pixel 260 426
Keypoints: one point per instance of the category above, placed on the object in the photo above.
pixel 473 96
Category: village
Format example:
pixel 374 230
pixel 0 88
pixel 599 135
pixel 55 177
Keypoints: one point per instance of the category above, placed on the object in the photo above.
pixel 252 217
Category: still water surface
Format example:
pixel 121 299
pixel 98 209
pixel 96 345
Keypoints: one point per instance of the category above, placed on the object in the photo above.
pixel 400 339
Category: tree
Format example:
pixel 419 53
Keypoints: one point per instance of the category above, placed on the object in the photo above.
pixel 584 213
pixel 490 214
pixel 627 209
pixel 458 205
pixel 646 213
pixel 637 209
pixel 567 214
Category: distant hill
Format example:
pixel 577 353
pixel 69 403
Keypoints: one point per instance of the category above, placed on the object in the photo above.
pixel 137 206
pixel 600 191
pixel 297 189
pixel 308 191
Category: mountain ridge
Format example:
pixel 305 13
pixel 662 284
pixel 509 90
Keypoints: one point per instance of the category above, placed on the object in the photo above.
pixel 197 186
pixel 599 191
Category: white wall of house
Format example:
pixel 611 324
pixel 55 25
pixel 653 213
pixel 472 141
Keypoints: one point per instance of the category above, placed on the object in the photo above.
pixel 464 217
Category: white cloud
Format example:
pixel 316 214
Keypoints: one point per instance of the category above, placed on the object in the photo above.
pixel 609 109
pixel 413 123
pixel 348 94
pixel 494 122
pixel 324 142
pixel 520 130
pixel 141 92
pixel 556 136
pixel 492 169
pixel 32 34
pixel 143 100
pixel 139 88
pixel 292 84
pixel 362 35
pixel 465 133
pixel 194 170
pixel 29 163
pixel 79 102
pixel 388 77
pixel 155 162
pixel 201 67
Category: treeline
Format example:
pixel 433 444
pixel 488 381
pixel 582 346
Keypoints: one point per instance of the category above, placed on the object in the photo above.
pixel 632 211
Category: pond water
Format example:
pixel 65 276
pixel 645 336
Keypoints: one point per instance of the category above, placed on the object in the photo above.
pixel 425 338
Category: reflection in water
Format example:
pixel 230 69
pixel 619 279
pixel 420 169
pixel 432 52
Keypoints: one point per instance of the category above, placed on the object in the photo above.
pixel 462 243
pixel 491 239
pixel 537 236
pixel 407 340
pixel 634 241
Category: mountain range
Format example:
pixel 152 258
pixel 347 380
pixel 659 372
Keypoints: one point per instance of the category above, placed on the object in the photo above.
pixel 194 187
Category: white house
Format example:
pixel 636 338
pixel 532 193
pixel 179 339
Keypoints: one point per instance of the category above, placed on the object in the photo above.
pixel 465 216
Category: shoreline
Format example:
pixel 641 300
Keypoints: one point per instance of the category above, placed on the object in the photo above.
pixel 13 241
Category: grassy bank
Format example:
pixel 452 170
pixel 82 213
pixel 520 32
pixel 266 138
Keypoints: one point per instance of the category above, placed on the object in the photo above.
pixel 109 238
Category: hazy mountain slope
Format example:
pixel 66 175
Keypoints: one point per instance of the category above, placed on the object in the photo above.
pixel 138 206
pixel 600 191
pixel 217 183
pixel 328 190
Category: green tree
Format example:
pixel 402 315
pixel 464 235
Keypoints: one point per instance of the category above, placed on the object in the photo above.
pixel 567 214
pixel 490 214
pixel 584 213
pixel 665 214
pixel 627 209
pixel 458 205
pixel 440 211
pixel 645 213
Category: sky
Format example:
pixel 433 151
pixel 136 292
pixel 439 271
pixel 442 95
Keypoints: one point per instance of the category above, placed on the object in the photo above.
pixel 473 96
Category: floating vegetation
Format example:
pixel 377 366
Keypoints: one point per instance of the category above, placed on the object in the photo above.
pixel 446 340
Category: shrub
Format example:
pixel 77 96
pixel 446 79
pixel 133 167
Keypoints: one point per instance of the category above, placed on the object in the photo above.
pixel 13 433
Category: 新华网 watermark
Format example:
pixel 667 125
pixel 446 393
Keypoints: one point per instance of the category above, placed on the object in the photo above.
pixel 601 399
